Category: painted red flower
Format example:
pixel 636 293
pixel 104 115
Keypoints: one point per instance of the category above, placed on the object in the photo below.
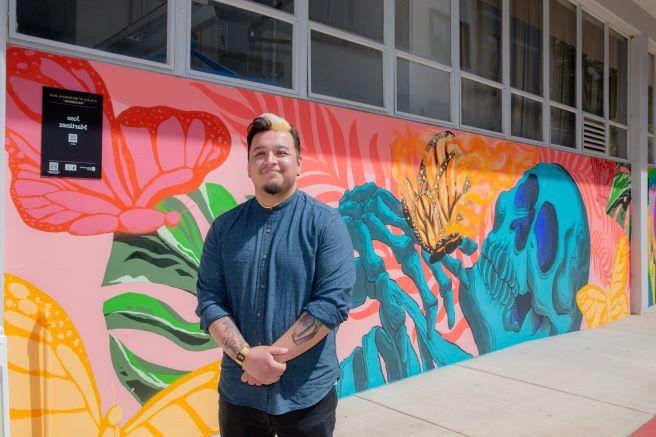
pixel 148 154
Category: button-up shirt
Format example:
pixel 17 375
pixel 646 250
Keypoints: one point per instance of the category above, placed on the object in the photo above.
pixel 264 267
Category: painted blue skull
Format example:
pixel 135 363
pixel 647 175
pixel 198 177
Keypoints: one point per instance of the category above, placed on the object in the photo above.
pixel 532 263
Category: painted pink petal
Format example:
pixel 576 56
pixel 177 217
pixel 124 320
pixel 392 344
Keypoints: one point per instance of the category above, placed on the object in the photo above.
pixel 162 183
pixel 94 225
pixel 61 217
pixel 138 142
pixel 195 142
pixel 168 143
pixel 33 188
pixel 141 220
pixel 84 203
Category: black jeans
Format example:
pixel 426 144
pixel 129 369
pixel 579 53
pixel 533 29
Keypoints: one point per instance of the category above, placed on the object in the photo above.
pixel 315 421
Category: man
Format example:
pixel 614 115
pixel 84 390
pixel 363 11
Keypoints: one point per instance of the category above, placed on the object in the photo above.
pixel 274 283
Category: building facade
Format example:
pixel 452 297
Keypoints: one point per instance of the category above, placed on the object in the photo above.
pixel 491 159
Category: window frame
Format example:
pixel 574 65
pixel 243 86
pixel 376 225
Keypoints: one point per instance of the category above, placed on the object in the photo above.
pixel 99 55
pixel 179 64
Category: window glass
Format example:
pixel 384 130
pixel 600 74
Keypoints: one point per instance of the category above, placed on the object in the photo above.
pixel 422 90
pixel 651 151
pixel 563 127
pixel 481 105
pixel 617 76
pixel 346 70
pixel 480 38
pixel 134 28
pixel 236 43
pixel 423 28
pixel 593 65
pixel 562 43
pixel 618 141
pixel 526 117
pixel 361 17
pixel 526 45
pixel 283 5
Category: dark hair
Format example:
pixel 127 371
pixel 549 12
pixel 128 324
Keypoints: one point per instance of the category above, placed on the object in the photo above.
pixel 265 123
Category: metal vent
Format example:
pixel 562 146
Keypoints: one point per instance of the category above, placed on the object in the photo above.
pixel 594 135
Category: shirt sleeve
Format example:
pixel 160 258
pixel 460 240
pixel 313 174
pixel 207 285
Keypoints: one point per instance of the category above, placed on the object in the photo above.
pixel 210 286
pixel 330 300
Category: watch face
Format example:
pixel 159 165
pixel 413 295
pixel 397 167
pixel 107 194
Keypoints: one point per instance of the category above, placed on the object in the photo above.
pixel 240 358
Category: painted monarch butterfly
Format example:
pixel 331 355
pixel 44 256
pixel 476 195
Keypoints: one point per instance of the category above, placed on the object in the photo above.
pixel 429 200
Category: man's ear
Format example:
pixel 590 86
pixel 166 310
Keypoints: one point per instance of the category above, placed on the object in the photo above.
pixel 298 165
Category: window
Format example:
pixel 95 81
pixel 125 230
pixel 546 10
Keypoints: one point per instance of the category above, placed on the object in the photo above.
pixel 562 72
pixel 480 105
pixel 526 68
pixel 422 90
pixel 236 43
pixel 283 5
pixel 593 65
pixel 423 50
pixel 346 70
pixel 135 28
pixel 423 28
pixel 480 54
pixel 362 17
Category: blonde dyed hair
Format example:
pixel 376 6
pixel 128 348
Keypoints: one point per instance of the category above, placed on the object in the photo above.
pixel 269 121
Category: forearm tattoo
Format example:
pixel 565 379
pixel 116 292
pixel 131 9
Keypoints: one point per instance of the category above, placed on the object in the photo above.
pixel 306 328
pixel 233 342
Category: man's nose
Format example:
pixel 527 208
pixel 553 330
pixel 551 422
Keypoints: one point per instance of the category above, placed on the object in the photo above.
pixel 270 158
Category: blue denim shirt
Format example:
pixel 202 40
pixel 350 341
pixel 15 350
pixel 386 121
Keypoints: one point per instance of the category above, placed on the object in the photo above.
pixel 264 268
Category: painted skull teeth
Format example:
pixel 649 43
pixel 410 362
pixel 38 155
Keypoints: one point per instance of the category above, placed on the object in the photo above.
pixel 500 279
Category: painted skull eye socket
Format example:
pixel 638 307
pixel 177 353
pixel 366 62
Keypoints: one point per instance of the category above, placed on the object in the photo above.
pixel 527 193
pixel 546 235
pixel 521 227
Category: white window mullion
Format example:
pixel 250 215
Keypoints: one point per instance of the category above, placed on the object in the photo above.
pixel 579 77
pixel 505 67
pixel 606 87
pixel 389 58
pixel 301 60
pixel 180 35
pixel 546 78
pixel 455 63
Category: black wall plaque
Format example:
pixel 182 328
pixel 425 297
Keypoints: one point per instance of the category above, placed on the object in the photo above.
pixel 71 134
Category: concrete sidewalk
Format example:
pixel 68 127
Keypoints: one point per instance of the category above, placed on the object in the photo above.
pixel 597 382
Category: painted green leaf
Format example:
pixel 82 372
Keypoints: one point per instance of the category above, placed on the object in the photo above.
pixel 213 200
pixel 620 198
pixel 149 258
pixel 145 313
pixel 141 378
pixel 185 237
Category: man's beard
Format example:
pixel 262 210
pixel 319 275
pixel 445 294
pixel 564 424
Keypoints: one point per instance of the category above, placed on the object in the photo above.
pixel 272 188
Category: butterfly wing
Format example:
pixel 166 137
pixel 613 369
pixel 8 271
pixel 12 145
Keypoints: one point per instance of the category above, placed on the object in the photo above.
pixel 185 408
pixel 52 388
pixel 600 306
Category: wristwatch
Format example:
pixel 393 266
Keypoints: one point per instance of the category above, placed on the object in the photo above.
pixel 240 358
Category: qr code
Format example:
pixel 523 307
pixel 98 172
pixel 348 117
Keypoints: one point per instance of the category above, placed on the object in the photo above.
pixel 54 166
pixel 72 138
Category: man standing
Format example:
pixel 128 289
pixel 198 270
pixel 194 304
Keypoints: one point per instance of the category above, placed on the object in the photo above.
pixel 274 283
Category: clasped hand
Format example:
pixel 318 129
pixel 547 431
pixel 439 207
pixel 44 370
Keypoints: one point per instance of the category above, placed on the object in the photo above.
pixel 262 366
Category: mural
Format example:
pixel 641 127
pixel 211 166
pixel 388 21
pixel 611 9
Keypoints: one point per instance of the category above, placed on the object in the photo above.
pixel 463 245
